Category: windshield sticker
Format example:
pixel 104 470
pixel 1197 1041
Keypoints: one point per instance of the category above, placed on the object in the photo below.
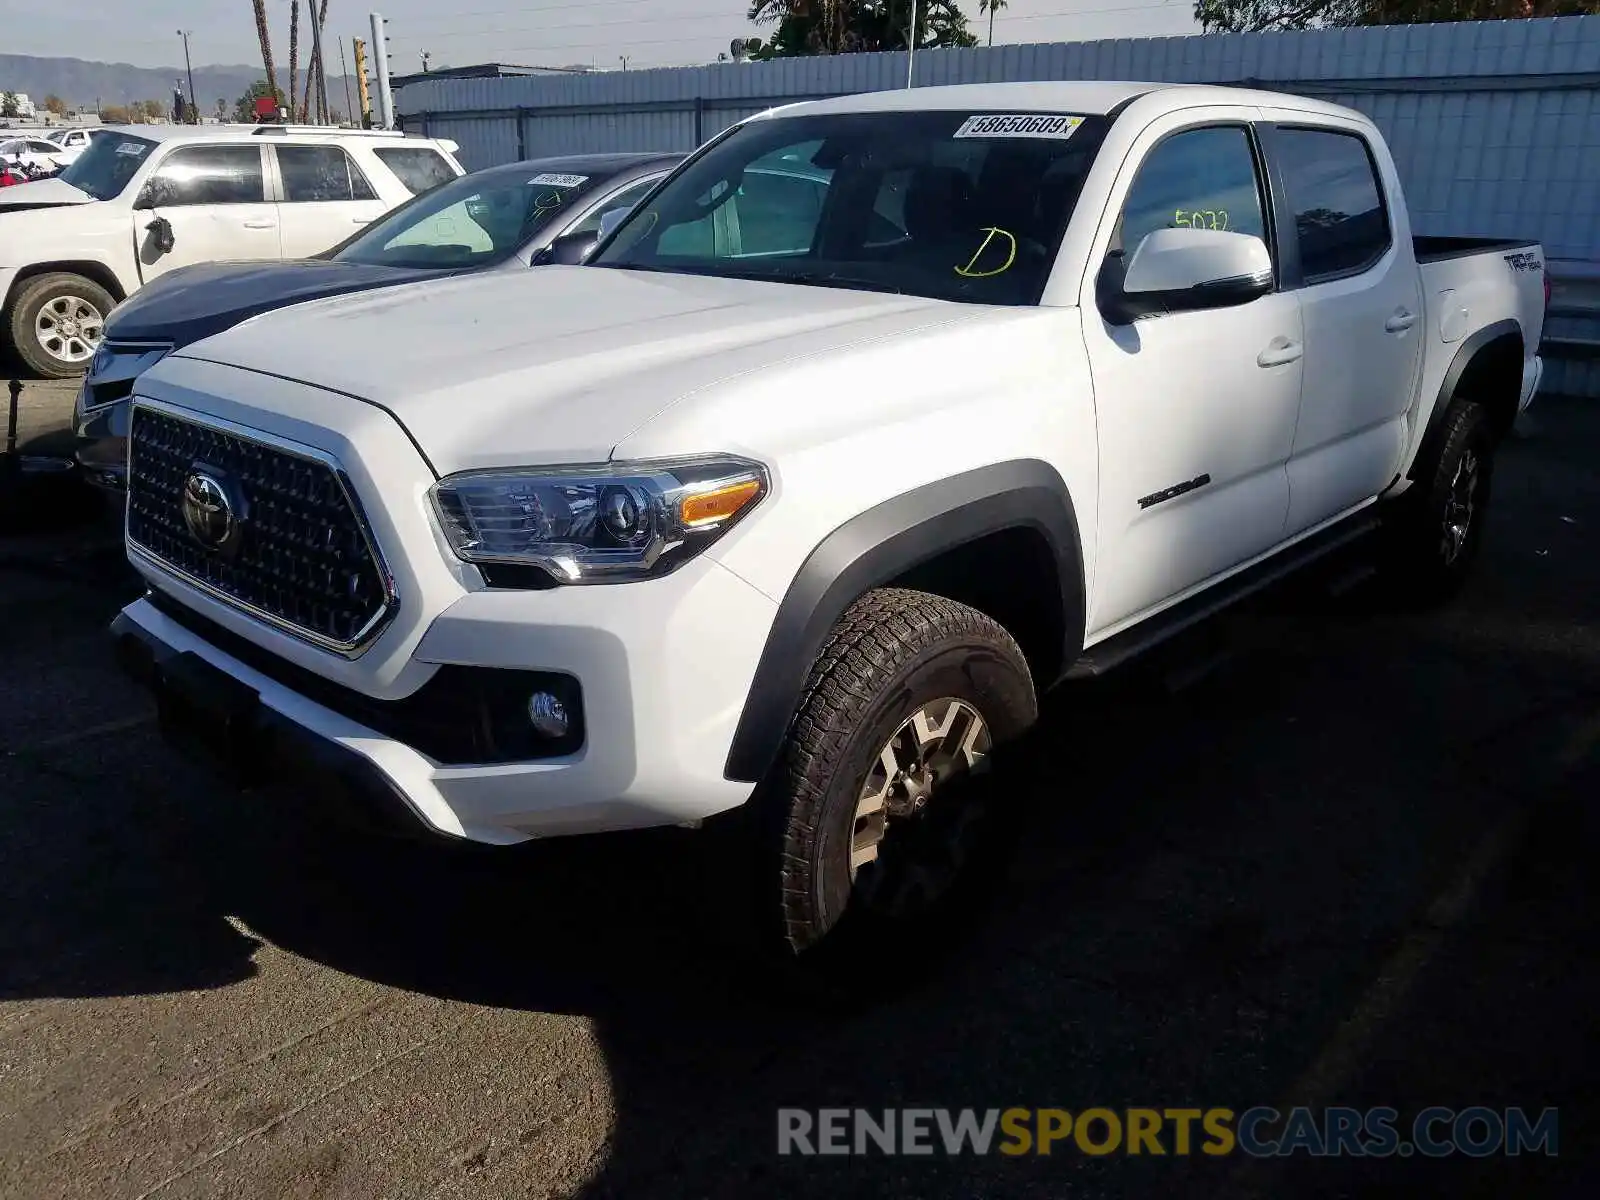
pixel 567 181
pixel 133 149
pixel 1021 125
pixel 971 271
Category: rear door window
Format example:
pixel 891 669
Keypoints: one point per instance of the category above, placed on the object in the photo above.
pixel 418 167
pixel 320 173
pixel 1339 218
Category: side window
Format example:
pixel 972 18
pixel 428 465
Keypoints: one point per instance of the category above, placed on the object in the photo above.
pixel 207 175
pixel 418 167
pixel 320 173
pixel 778 214
pixel 1200 177
pixel 621 202
pixel 1333 187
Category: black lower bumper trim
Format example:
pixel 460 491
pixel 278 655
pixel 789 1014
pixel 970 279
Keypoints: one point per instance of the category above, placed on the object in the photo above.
pixel 211 716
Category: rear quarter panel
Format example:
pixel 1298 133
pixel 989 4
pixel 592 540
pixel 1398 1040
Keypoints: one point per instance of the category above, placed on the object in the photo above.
pixel 1465 295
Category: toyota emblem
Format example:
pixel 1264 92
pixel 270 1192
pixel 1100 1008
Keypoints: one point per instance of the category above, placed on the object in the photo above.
pixel 207 511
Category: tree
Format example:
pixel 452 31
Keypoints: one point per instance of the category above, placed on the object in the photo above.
pixel 990 7
pixel 1248 16
pixel 270 75
pixel 116 114
pixel 157 110
pixel 55 104
pixel 8 105
pixel 222 109
pixel 856 26
pixel 245 108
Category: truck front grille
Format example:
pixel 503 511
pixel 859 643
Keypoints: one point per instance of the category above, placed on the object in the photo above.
pixel 273 531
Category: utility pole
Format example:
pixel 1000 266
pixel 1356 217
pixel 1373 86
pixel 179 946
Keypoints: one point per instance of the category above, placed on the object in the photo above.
pixel 322 73
pixel 911 48
pixel 187 66
pixel 349 109
pixel 380 50
pixel 360 49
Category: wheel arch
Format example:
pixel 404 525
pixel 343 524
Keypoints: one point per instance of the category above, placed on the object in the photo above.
pixel 1487 367
pixel 946 537
pixel 90 269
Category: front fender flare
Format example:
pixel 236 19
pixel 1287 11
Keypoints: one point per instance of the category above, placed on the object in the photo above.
pixel 878 546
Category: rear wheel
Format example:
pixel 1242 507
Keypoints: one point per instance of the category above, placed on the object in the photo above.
pixel 57 322
pixel 1435 529
pixel 879 822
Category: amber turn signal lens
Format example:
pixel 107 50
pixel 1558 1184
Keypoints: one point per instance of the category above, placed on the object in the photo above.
pixel 710 507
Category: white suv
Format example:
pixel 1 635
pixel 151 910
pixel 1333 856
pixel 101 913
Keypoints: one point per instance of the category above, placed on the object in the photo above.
pixel 141 201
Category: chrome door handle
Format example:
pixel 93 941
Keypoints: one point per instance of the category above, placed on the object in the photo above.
pixel 1279 352
pixel 1401 321
pixel 261 224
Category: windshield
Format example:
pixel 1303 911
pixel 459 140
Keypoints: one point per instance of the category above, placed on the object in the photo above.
pixel 104 168
pixel 472 221
pixel 949 205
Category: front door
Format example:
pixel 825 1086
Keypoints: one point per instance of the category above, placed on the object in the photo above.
pixel 210 203
pixel 1196 410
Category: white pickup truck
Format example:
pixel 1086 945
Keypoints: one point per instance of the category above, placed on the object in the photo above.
pixel 143 200
pixel 877 418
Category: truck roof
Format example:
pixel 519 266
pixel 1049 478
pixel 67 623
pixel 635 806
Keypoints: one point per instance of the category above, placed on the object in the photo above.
pixel 1089 97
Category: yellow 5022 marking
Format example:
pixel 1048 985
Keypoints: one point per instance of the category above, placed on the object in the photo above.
pixel 1011 255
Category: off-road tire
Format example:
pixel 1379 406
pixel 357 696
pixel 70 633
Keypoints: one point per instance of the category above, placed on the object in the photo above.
pixel 893 652
pixel 33 295
pixel 1427 565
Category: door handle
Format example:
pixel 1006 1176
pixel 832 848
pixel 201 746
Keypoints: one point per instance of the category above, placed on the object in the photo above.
pixel 1402 320
pixel 362 220
pixel 261 223
pixel 1279 352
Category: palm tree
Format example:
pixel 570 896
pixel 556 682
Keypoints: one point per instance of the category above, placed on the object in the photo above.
pixel 314 65
pixel 989 6
pixel 294 50
pixel 266 45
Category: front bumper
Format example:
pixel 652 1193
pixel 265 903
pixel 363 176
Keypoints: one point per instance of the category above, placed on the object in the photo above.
pixel 663 673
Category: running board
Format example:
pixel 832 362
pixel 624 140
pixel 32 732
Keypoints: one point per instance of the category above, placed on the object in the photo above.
pixel 1114 651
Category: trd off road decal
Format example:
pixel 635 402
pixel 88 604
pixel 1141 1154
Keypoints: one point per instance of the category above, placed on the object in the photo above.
pixel 1019 125
pixel 1524 260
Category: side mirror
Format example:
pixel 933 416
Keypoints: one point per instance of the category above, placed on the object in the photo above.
pixel 161 235
pixel 1182 270
pixel 568 250
pixel 610 220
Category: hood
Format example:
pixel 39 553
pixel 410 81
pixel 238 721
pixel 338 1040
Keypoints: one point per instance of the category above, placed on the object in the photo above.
pixel 195 302
pixel 561 361
pixel 42 193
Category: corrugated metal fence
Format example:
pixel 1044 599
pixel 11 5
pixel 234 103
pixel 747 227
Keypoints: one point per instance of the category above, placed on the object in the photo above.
pixel 1495 125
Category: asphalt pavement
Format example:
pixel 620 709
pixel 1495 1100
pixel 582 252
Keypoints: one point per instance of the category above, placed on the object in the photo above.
pixel 1347 865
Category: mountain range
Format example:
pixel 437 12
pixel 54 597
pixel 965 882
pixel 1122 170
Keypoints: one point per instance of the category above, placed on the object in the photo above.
pixel 83 84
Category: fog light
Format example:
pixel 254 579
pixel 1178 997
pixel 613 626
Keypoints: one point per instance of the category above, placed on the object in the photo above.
pixel 548 715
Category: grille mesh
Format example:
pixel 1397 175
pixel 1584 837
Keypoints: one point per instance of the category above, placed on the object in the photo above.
pixel 302 556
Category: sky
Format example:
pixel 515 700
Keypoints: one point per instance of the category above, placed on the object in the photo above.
pixel 533 32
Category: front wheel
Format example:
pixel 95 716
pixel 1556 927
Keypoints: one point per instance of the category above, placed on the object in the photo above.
pixel 878 822
pixel 57 322
pixel 1435 530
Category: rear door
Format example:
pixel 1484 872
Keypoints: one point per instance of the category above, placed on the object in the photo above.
pixel 323 197
pixel 1352 268
pixel 213 199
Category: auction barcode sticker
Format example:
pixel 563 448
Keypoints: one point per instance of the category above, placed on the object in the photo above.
pixel 1019 125
pixel 567 181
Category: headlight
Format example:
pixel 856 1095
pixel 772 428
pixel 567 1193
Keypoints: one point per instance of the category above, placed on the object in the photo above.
pixel 597 524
